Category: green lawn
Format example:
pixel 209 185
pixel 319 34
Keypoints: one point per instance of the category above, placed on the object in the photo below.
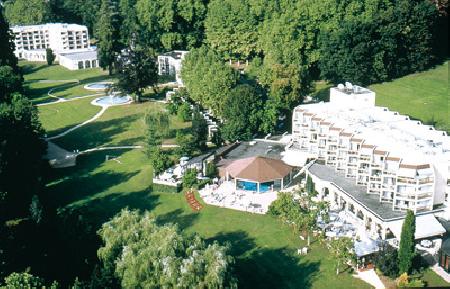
pixel 422 96
pixel 119 125
pixel 58 117
pixel 432 279
pixel 265 249
pixel 34 72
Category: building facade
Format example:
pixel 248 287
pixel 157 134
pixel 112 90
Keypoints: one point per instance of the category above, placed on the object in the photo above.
pixel 372 162
pixel 170 64
pixel 31 42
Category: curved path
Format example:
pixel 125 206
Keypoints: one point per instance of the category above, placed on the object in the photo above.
pixel 96 116
pixel 62 99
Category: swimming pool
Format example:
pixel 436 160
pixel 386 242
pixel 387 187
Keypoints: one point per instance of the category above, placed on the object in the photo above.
pixel 98 86
pixel 112 100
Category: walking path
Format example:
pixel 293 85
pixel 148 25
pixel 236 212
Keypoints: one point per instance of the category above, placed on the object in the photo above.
pixel 62 99
pixel 369 276
pixel 104 108
pixel 193 203
pixel 441 272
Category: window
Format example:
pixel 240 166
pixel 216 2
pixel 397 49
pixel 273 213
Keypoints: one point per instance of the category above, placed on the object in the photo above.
pixel 80 65
pixel 87 64
pixel 94 63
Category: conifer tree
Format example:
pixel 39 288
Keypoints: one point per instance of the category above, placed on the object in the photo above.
pixel 107 34
pixel 7 56
pixel 406 250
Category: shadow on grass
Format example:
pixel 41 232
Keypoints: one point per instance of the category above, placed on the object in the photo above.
pixel 179 217
pixel 97 133
pixel 258 267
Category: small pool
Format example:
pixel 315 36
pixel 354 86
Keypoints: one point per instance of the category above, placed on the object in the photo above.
pixel 98 86
pixel 112 100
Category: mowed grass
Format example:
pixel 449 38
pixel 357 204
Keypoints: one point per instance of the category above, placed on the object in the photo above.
pixel 265 250
pixel 122 125
pixel 58 117
pixel 423 96
pixel 75 80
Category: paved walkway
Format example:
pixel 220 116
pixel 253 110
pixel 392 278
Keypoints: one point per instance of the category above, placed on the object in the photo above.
pixel 62 99
pixel 369 276
pixel 104 108
pixel 441 272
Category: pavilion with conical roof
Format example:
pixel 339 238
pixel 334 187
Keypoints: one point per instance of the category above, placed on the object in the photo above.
pixel 258 174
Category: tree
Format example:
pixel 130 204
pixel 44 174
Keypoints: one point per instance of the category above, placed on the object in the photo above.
pixel 199 130
pixel 189 178
pixel 7 57
pixel 23 280
pixel 387 261
pixel 406 251
pixel 158 159
pixel 184 112
pixel 107 32
pixel 36 209
pixel 138 72
pixel 157 128
pixel 208 79
pixel 171 24
pixel 378 40
pixel 242 113
pixel 50 56
pixel 22 12
pixel 310 187
pixel 185 142
pixel 341 250
pixel 231 29
pixel 142 254
pixel 10 83
pixel 21 154
pixel 211 169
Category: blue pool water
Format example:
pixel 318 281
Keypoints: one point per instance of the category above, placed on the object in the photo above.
pixel 112 100
pixel 98 85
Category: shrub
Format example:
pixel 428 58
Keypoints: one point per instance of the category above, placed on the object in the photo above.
pixel 386 261
pixel 184 112
pixel 165 188
pixel 211 170
pixel 189 178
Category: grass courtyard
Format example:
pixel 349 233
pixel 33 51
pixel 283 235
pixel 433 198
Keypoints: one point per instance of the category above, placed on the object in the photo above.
pixel 422 96
pixel 92 192
pixel 40 78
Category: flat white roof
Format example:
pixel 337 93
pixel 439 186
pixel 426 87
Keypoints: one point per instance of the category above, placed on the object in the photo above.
pixel 80 55
pixel 18 28
pixel 426 226
pixel 408 139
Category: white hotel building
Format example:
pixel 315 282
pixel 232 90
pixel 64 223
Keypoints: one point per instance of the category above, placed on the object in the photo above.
pixel 372 162
pixel 170 63
pixel 70 40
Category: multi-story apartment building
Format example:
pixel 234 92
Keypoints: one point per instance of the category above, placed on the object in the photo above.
pixel 397 162
pixel 31 42
pixel 170 64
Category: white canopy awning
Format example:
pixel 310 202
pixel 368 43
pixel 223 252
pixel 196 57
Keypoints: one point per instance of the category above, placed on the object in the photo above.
pixel 365 247
pixel 426 226
pixel 295 158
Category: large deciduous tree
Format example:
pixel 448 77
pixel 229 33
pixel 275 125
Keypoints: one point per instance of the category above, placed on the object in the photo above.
pixel 242 113
pixel 22 12
pixel 199 130
pixel 138 72
pixel 142 254
pixel 171 24
pixel 21 151
pixel 10 83
pixel 406 251
pixel 208 79
pixel 231 29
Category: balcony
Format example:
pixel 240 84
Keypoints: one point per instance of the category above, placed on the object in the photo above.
pixel 404 180
pixel 426 181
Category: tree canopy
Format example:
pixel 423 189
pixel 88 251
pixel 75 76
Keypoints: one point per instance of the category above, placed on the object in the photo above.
pixel 242 113
pixel 207 79
pixel 143 254
pixel 7 56
pixel 22 12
